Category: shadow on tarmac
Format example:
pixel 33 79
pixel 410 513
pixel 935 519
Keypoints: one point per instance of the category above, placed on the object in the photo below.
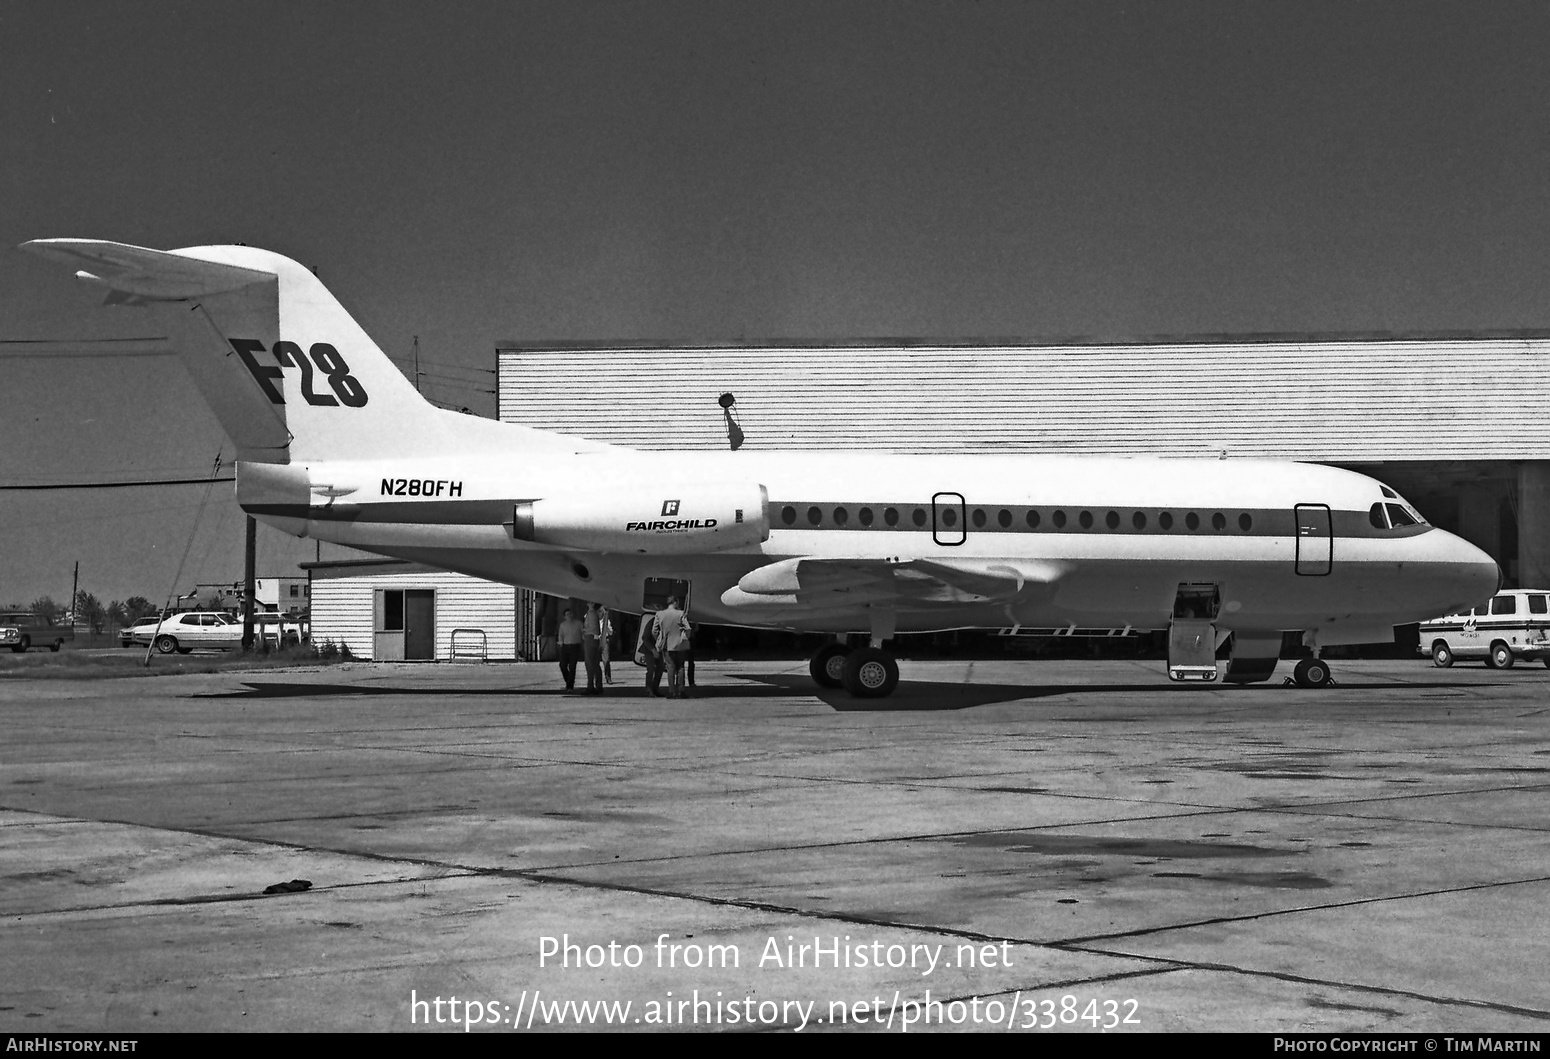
pixel 933 696
pixel 925 696
pixel 289 690
pixel 917 696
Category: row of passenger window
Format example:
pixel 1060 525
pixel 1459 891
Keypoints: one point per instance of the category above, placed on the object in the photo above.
pixel 1033 518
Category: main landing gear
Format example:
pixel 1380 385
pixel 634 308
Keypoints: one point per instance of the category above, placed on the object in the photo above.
pixel 865 672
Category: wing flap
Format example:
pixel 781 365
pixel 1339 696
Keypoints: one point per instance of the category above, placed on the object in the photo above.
pixel 815 585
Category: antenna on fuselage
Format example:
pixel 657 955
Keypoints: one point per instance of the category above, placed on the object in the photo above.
pixel 734 431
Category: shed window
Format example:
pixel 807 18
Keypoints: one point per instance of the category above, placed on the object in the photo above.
pixel 392 610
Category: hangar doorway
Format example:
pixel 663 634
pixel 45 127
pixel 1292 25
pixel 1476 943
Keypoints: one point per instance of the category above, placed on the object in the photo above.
pixel 1501 506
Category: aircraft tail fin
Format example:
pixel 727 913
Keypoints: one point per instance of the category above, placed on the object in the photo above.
pixel 288 372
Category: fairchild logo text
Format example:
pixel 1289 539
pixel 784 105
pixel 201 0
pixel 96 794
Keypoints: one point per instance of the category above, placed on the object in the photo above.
pixel 676 524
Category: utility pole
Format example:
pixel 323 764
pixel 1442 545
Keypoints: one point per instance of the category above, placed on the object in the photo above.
pixel 75 594
pixel 416 363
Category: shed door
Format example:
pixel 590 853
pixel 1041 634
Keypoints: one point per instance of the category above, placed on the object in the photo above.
pixel 420 624
pixel 1315 540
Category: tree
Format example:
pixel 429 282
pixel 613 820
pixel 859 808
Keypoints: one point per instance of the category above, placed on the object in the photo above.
pixel 45 608
pixel 88 608
pixel 117 615
pixel 138 607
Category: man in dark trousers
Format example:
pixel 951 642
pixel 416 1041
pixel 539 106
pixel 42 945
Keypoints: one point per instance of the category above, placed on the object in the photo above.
pixel 673 640
pixel 646 653
pixel 570 648
pixel 592 648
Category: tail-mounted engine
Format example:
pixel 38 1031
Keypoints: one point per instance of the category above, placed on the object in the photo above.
pixel 658 519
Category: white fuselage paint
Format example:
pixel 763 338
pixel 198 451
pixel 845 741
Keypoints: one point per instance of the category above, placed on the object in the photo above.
pixel 1107 578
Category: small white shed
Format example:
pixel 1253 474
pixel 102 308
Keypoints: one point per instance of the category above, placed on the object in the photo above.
pixel 389 610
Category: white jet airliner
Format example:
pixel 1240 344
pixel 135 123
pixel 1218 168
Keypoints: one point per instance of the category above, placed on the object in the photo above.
pixel 334 443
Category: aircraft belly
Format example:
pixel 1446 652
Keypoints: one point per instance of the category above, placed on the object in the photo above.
pixel 1260 592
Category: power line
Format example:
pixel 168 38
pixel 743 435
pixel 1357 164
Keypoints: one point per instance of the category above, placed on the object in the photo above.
pixel 56 349
pixel 112 485
pixel 408 363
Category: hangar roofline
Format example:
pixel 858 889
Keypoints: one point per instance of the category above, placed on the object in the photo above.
pixel 1205 338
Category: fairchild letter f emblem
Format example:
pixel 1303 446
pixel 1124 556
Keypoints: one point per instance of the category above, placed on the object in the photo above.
pixel 669 508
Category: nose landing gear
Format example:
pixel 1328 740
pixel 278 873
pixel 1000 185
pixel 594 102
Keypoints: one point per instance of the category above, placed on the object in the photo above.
pixel 1312 673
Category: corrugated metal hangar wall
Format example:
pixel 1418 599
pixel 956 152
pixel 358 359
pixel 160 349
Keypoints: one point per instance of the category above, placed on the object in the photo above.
pixel 1457 423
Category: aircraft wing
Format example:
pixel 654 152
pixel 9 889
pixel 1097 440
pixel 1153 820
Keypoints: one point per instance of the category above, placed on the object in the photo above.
pixel 815 585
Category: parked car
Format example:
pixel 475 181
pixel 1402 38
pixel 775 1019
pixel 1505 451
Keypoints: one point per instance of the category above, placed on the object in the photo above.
pixel 126 635
pixel 20 630
pixel 194 628
pixel 1514 624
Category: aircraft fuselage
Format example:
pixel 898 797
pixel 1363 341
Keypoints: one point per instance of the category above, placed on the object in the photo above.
pixel 1104 542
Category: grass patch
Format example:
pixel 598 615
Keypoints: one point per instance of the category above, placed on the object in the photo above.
pixel 87 664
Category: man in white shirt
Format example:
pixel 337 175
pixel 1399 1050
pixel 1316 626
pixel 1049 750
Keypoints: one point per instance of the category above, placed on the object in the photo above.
pixel 570 647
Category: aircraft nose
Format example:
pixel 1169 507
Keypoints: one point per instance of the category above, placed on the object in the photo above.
pixel 1476 576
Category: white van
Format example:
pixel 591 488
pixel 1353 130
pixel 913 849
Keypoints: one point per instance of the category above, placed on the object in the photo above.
pixel 1514 624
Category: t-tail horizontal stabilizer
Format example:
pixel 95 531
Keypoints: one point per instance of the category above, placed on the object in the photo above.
pixel 288 372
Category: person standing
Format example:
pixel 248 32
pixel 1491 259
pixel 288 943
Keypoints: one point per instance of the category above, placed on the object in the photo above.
pixel 689 654
pixel 646 653
pixel 570 648
pixel 673 641
pixel 605 639
pixel 592 650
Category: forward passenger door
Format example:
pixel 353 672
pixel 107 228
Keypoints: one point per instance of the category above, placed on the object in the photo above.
pixel 1315 540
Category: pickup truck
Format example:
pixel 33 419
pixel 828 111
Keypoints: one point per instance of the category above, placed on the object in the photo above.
pixel 20 630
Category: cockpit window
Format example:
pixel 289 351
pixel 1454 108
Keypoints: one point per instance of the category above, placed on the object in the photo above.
pixel 1397 514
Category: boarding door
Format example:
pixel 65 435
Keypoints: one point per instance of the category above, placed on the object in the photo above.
pixel 658 590
pixel 1315 540
pixel 947 522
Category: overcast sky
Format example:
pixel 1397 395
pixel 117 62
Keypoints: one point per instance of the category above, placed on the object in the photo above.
pixel 710 171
